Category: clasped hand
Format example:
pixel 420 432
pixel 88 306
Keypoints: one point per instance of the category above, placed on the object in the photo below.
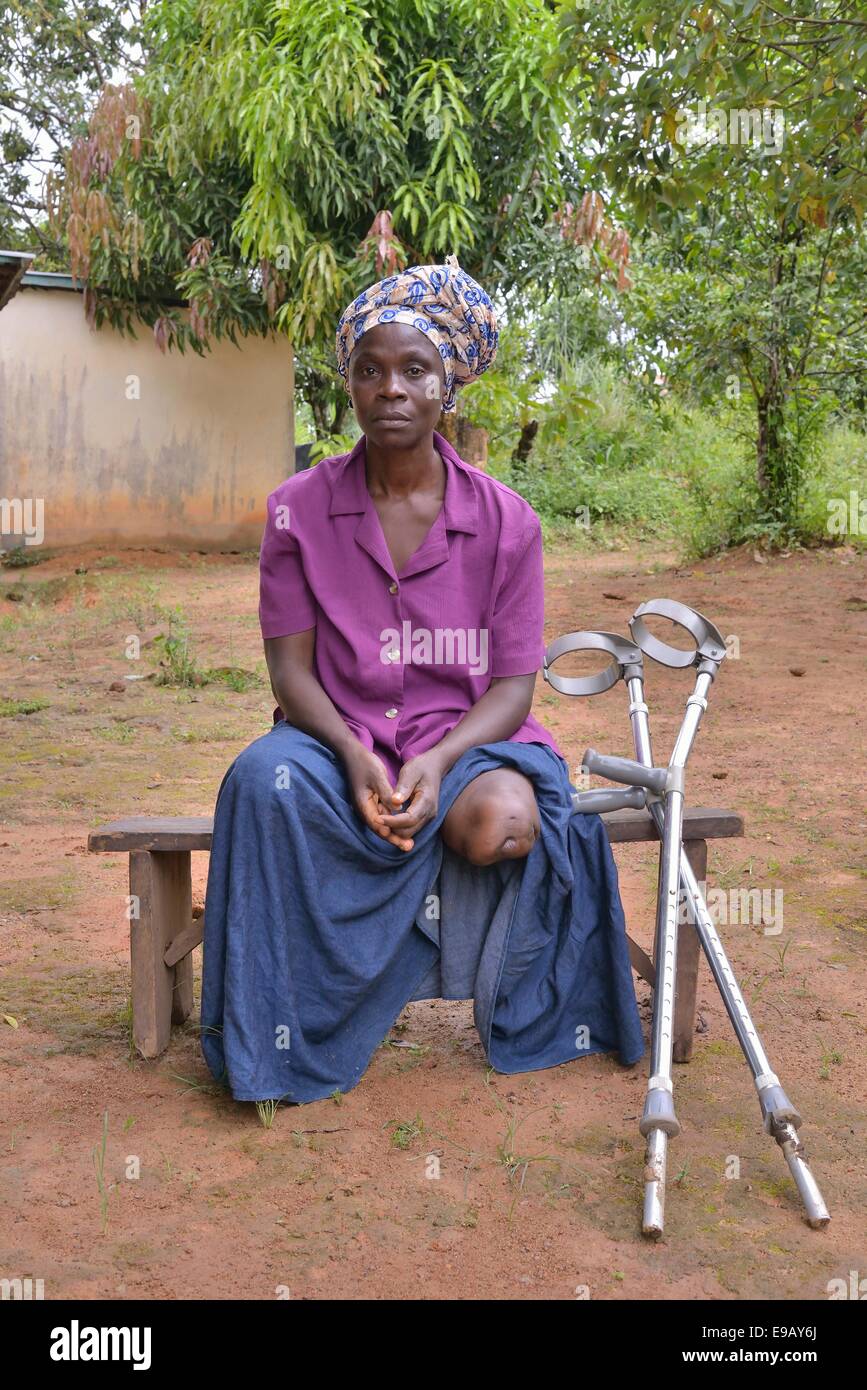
pixel 380 805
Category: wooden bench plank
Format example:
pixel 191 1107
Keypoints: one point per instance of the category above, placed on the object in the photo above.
pixel 172 833
pixel 152 833
pixel 699 823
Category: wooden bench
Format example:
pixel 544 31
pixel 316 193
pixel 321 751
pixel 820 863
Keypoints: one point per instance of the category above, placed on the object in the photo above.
pixel 164 933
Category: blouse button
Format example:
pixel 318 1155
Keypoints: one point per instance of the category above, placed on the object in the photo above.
pixel 392 588
pixel 391 713
pixel 393 654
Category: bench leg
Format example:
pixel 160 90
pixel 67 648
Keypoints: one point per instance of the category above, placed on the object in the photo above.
pixel 161 994
pixel 688 956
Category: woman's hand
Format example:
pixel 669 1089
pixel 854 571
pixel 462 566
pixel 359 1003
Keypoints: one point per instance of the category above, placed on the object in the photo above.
pixel 418 783
pixel 371 791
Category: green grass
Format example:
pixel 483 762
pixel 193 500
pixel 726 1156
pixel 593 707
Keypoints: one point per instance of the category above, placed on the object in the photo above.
pixel 22 557
pixel 84 1011
pixel 99 1165
pixel 234 677
pixel 11 707
pixel 516 1164
pixel 177 663
pixel 266 1110
pixel 179 667
pixel 217 733
pixel 36 894
pixel 406 1131
pixel 117 733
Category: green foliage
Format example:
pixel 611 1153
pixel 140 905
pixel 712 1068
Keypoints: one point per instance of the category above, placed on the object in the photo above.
pixel 673 474
pixel 54 58
pixel 502 400
pixel 406 1131
pixel 235 677
pixel 735 133
pixel 21 557
pixel 285 156
pixel 537 375
pixel 645 64
pixel 178 666
pixel 331 446
pixel 270 160
pixel 840 469
pixel 743 317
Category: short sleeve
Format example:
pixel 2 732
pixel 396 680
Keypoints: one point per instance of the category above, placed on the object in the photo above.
pixel 517 636
pixel 286 603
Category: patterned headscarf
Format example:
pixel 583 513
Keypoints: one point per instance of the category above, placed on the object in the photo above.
pixel 441 301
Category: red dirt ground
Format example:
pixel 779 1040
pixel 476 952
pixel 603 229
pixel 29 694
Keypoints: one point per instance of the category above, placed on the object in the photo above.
pixel 540 1175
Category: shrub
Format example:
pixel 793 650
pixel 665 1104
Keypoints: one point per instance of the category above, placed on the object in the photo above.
pixel 675 474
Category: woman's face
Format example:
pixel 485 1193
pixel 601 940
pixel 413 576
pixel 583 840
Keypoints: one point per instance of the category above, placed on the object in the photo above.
pixel 396 381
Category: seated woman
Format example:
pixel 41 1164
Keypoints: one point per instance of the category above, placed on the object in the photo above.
pixel 360 846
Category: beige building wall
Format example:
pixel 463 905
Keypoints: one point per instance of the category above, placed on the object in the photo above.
pixel 127 445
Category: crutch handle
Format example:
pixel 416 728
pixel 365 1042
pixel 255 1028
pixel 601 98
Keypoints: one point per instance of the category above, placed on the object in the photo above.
pixel 626 655
pixel 598 801
pixel 634 774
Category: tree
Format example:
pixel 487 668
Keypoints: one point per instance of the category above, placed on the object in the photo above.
pixel 271 160
pixel 55 57
pixel 736 131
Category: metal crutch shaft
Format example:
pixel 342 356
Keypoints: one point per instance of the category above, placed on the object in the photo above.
pixel 779 1116
pixel 659 1121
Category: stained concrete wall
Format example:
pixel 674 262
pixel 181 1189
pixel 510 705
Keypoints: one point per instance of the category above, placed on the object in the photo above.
pixel 188 461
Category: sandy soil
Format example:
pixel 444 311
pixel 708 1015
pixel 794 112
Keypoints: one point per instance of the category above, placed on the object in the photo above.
pixel 539 1182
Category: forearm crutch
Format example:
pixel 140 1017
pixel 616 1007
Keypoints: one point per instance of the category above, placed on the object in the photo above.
pixel 662 789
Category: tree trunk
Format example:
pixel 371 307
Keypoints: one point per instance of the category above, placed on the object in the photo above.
pixel 342 413
pixel 318 407
pixel 775 469
pixel 521 452
pixel 448 427
pixel 473 443
pixel 762 445
pixel 330 412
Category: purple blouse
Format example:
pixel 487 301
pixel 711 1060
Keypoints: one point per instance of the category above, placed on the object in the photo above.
pixel 403 658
